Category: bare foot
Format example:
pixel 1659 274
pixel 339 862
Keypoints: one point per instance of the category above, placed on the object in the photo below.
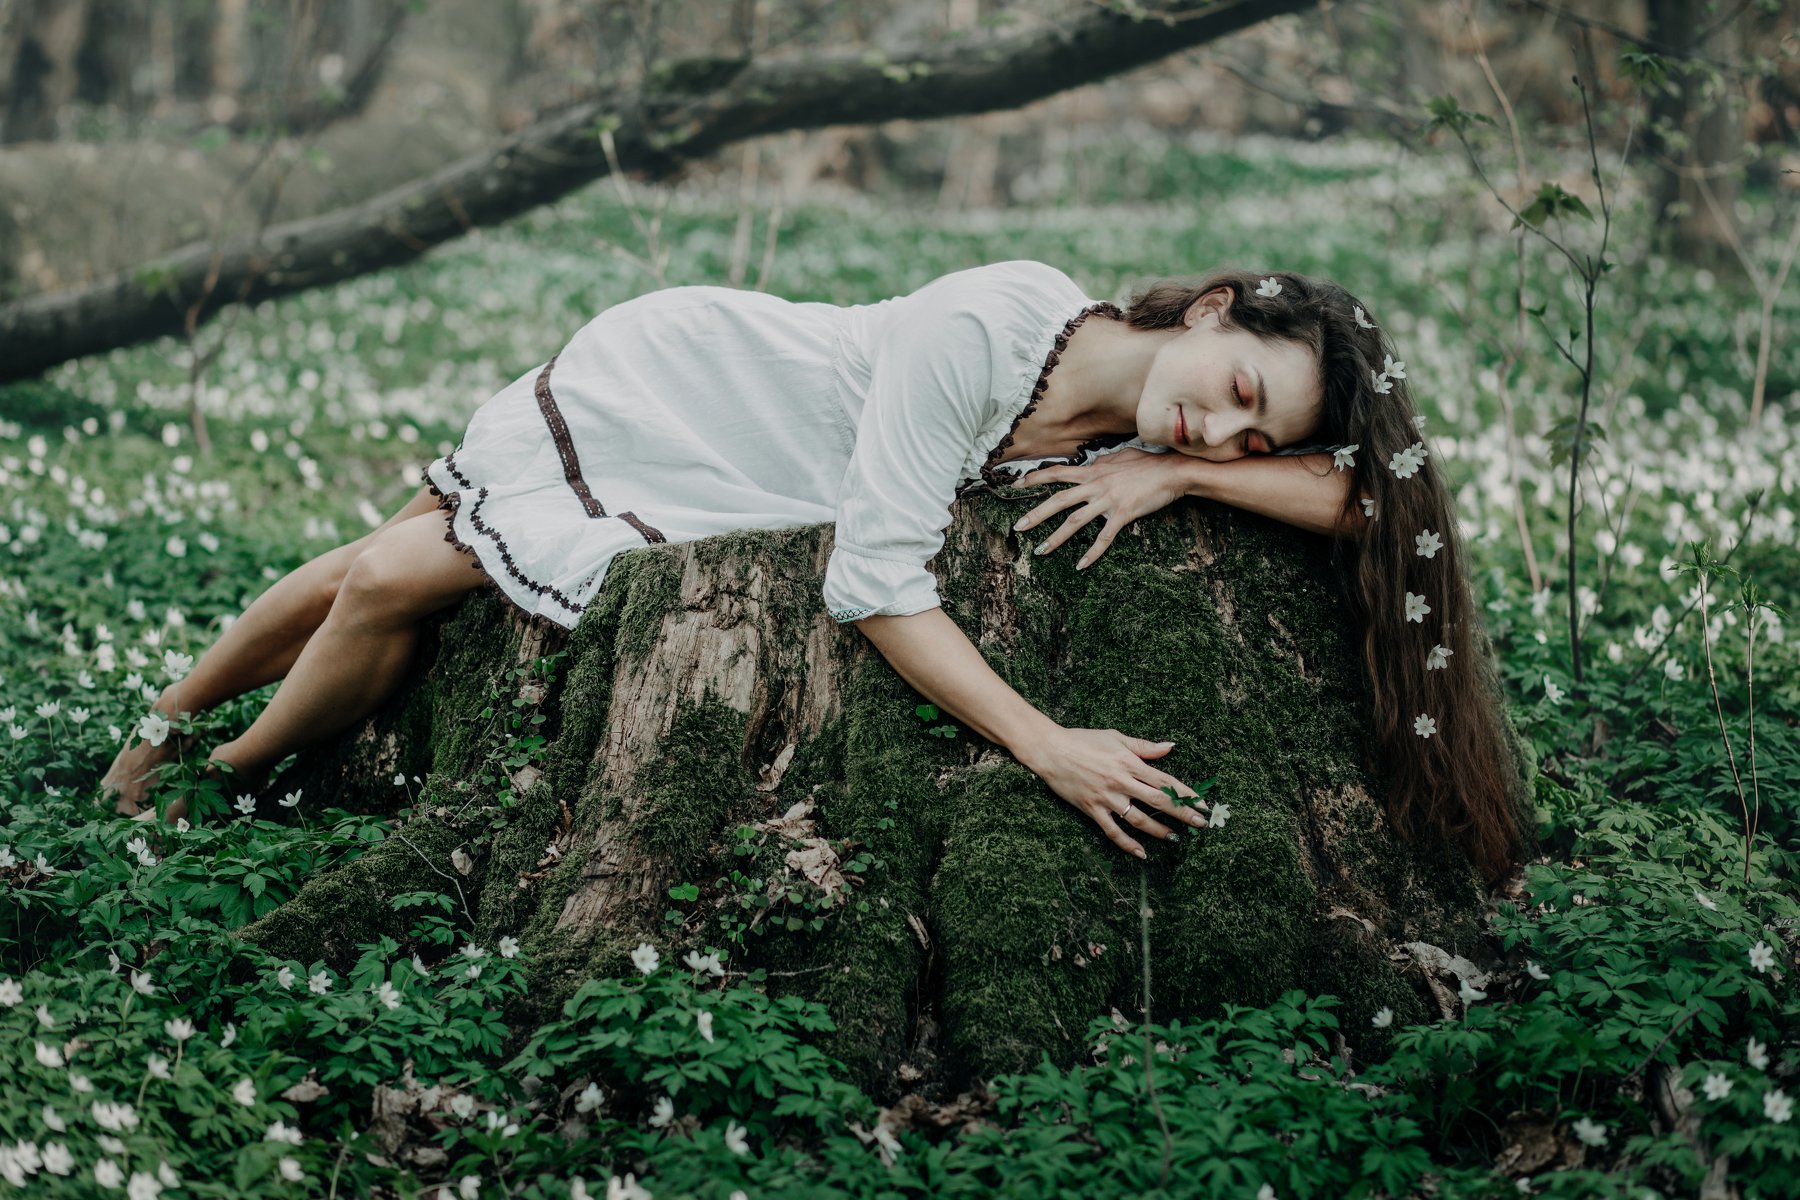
pixel 132 773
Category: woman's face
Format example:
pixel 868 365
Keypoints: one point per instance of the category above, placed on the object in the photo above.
pixel 1221 394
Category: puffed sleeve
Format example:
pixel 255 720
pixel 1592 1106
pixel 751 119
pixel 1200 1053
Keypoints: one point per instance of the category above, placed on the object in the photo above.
pixel 931 377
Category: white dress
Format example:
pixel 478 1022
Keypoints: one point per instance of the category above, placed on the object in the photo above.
pixel 694 411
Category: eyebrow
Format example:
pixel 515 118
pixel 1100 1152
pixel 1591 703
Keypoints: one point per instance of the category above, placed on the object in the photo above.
pixel 1262 409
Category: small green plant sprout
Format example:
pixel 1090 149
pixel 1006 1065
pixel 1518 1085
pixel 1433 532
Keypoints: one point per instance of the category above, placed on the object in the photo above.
pixel 681 891
pixel 1193 801
pixel 1702 564
pixel 929 713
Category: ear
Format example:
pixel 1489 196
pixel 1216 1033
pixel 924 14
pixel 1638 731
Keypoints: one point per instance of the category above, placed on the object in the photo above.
pixel 1217 302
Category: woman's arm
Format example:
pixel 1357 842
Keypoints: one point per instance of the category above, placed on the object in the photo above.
pixel 1099 771
pixel 934 655
pixel 1129 484
pixel 1300 489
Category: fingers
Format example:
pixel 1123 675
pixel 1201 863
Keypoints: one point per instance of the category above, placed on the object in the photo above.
pixel 1109 825
pixel 1101 542
pixel 1155 798
pixel 1068 528
pixel 1050 506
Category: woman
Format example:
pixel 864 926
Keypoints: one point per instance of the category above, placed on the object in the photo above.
pixel 700 410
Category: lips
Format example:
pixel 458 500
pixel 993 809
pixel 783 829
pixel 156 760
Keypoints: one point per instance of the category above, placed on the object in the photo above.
pixel 1181 430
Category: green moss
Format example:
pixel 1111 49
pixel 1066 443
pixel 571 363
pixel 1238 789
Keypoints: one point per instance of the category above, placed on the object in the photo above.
pixel 352 904
pixel 968 949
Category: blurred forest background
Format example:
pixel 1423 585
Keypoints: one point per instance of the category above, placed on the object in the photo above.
pixel 133 126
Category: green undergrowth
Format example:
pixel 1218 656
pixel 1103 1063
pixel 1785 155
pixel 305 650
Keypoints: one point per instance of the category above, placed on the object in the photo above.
pixel 162 1013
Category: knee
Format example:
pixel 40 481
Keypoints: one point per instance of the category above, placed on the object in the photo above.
pixel 333 569
pixel 373 587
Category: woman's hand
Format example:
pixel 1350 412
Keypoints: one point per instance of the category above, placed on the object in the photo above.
pixel 1121 486
pixel 1102 771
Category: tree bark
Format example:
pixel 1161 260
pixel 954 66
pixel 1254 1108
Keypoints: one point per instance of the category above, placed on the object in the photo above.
pixel 1708 137
pixel 706 693
pixel 691 109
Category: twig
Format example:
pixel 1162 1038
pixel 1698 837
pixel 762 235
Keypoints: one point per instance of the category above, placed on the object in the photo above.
pixel 1749 517
pixel 1517 350
pixel 1654 1050
pixel 1149 1050
pixel 1766 289
pixel 454 881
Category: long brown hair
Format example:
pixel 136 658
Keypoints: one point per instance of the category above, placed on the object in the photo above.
pixel 1462 781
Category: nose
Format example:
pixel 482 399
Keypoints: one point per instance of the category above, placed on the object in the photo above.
pixel 1216 430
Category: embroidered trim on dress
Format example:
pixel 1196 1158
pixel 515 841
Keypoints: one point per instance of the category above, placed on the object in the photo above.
pixel 449 503
pixel 650 534
pixel 565 448
pixel 571 463
pixel 989 469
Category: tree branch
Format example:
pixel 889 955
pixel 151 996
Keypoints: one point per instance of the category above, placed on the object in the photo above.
pixel 656 132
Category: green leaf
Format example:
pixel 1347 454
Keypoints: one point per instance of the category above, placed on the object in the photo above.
pixel 1552 201
pixel 1446 113
pixel 926 712
pixel 1642 67
pixel 685 891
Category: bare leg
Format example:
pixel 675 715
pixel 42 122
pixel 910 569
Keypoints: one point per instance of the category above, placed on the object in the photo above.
pixel 358 654
pixel 260 647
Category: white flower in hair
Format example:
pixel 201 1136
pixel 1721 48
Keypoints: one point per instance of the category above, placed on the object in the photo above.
pixel 1406 463
pixel 1391 368
pixel 1419 422
pixel 1361 319
pixel 1269 287
pixel 1424 726
pixel 1428 543
pixel 1344 456
pixel 1381 382
pixel 1438 659
pixel 1368 507
pixel 1416 608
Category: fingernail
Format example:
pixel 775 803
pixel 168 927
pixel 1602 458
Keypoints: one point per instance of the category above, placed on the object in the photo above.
pixel 1174 835
pixel 1140 852
pixel 1018 524
pixel 1043 548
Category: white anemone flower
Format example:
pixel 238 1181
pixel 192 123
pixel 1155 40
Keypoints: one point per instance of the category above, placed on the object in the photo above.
pixel 153 728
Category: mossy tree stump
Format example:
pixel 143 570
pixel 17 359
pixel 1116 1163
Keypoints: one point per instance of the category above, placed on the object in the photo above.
pixel 706 689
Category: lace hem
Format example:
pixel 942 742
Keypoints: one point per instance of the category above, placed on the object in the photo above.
pixel 449 503
pixel 990 474
pixel 840 615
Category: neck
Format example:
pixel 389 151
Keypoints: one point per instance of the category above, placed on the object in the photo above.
pixel 1095 387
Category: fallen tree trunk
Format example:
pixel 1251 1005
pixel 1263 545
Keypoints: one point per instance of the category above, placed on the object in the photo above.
pixel 957 917
pixel 692 109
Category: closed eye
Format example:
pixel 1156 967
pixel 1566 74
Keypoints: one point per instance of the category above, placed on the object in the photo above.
pixel 1238 396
